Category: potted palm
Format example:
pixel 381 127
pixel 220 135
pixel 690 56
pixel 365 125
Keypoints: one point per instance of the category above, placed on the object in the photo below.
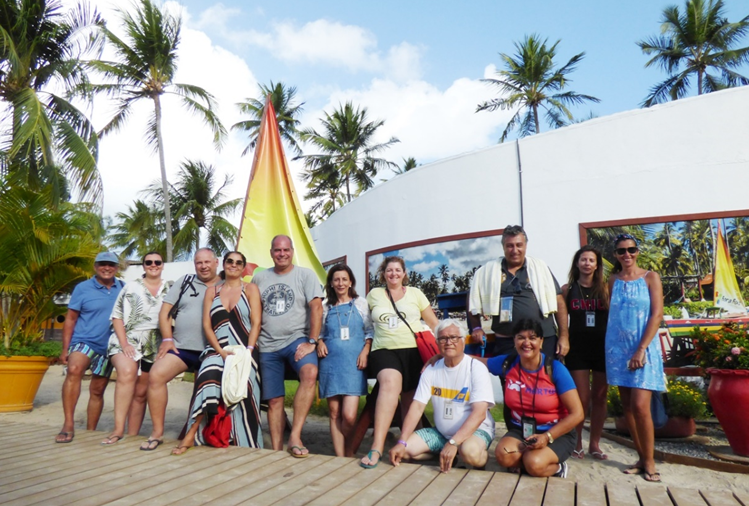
pixel 685 403
pixel 724 354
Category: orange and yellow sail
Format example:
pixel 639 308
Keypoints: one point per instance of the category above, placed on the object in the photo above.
pixel 272 207
pixel 727 294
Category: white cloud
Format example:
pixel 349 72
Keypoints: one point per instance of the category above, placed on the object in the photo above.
pixel 425 266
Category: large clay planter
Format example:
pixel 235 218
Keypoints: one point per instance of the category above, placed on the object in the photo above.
pixel 676 427
pixel 20 378
pixel 729 397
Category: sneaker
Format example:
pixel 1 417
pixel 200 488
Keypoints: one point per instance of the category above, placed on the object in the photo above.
pixel 563 468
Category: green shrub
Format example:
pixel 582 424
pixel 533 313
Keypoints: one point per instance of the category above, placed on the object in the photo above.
pixel 684 400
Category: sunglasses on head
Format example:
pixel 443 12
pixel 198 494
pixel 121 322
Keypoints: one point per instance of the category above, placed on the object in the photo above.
pixel 231 261
pixel 631 250
pixel 149 263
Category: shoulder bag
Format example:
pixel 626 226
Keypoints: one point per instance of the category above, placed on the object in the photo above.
pixel 425 342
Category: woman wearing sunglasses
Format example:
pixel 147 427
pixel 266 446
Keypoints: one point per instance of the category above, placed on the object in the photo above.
pixel 231 317
pixel 134 345
pixel 633 355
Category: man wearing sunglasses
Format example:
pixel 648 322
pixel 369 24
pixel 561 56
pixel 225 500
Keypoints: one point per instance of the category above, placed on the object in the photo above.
pixel 181 325
pixel 85 335
pixel 513 288
pixel 460 389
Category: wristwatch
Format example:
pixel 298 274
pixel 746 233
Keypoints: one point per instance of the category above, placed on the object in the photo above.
pixel 452 442
pixel 311 341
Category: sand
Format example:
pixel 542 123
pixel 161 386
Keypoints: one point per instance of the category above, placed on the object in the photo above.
pixel 47 413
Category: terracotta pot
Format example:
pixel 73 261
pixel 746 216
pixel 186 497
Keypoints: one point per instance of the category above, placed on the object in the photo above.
pixel 729 397
pixel 20 378
pixel 676 427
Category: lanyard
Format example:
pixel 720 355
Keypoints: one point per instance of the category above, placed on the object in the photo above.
pixel 535 389
pixel 338 315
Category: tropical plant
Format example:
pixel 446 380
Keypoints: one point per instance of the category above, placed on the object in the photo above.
pixel 726 348
pixel 48 141
pixel 282 97
pixel 138 230
pixel 324 187
pixel 685 400
pixel 144 68
pixel 530 82
pixel 347 147
pixel 45 250
pixel 408 164
pixel 694 42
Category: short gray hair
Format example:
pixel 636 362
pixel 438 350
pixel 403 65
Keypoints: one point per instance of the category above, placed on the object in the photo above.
pixel 451 322
pixel 209 250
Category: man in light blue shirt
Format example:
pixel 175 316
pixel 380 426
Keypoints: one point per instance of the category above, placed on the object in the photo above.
pixel 85 335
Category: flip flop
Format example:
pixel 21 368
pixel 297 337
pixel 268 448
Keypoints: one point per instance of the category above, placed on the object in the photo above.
pixel 67 437
pixel 634 469
pixel 299 455
pixel 187 449
pixel 146 447
pixel 654 477
pixel 579 454
pixel 369 456
pixel 599 455
pixel 112 440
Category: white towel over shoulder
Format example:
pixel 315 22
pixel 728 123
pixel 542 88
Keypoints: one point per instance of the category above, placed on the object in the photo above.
pixel 236 374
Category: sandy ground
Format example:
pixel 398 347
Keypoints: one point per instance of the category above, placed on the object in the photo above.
pixel 47 412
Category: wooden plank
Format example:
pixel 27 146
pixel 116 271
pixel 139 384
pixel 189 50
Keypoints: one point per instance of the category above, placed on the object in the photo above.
pixel 351 486
pixel 529 492
pixel 621 495
pixel 742 497
pixel 412 486
pixel 560 492
pixel 500 489
pixel 375 491
pixel 440 488
pixel 300 483
pixel 686 497
pixel 38 446
pixel 719 498
pixel 470 488
pixel 654 495
pixel 320 487
pixel 590 493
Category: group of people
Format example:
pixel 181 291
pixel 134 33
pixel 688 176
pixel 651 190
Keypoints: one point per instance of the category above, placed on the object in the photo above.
pixel 234 333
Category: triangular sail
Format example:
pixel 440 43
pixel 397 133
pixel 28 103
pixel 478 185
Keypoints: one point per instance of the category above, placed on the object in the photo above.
pixel 727 294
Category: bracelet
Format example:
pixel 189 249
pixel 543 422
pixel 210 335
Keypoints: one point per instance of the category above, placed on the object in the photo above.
pixel 167 340
pixel 401 442
pixel 476 328
pixel 250 348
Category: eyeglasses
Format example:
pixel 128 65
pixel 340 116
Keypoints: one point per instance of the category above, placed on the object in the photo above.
pixel 631 250
pixel 532 338
pixel 149 263
pixel 452 339
pixel 106 264
pixel 232 261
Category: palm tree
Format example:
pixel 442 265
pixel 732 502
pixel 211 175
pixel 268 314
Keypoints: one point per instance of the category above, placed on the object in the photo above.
pixel 531 82
pixel 138 230
pixel 49 142
pixel 347 144
pixel 146 61
pixel 693 42
pixel 324 186
pixel 282 97
pixel 408 164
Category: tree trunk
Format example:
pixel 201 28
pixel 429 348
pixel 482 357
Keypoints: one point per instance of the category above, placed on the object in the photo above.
pixel 535 119
pixel 699 81
pixel 164 182
pixel 348 190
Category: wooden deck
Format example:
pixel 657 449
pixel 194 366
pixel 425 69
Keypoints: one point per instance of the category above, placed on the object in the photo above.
pixel 35 470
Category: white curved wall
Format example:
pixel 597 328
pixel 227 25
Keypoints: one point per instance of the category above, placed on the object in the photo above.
pixel 688 156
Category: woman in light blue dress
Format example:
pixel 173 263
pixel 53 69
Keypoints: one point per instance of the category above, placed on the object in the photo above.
pixel 343 348
pixel 633 356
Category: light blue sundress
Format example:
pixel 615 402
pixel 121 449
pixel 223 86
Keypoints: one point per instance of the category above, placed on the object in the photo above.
pixel 629 312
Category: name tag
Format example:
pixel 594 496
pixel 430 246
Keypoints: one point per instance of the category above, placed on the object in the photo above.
pixel 280 306
pixel 590 319
pixel 505 309
pixel 448 411
pixel 393 322
pixel 344 334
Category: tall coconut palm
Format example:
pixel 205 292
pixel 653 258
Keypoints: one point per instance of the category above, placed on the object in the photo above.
pixel 283 99
pixel 138 230
pixel 144 68
pixel 530 82
pixel 693 42
pixel 408 164
pixel 347 144
pixel 46 140
pixel 324 186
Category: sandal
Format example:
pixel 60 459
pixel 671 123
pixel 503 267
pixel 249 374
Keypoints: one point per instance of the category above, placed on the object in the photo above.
pixel 653 477
pixel 112 440
pixel 148 445
pixel 579 454
pixel 634 469
pixel 369 456
pixel 301 454
pixel 67 437
pixel 599 455
pixel 176 450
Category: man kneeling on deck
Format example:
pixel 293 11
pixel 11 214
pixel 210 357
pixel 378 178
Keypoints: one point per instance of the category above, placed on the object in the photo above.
pixel 461 392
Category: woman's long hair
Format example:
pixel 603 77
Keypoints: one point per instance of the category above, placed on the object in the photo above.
pixel 222 274
pixel 330 293
pixel 600 289
pixel 619 239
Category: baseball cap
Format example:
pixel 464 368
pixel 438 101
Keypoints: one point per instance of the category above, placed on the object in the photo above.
pixel 107 256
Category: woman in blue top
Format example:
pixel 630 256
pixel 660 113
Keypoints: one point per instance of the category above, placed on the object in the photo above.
pixel 633 357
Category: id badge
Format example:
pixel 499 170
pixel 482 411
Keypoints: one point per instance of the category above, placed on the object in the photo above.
pixel 590 319
pixel 280 306
pixel 344 334
pixel 393 322
pixel 448 414
pixel 505 309
pixel 529 426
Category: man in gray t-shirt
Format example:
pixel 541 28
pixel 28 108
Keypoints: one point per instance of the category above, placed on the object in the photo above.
pixel 180 348
pixel 292 319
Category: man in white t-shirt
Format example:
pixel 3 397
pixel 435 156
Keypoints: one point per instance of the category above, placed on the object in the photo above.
pixel 461 393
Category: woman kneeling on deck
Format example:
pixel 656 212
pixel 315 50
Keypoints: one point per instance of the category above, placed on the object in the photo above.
pixel 542 407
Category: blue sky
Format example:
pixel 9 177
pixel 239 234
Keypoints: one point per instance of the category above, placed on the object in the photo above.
pixel 416 65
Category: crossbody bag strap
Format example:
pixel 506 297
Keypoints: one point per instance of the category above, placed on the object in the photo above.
pixel 398 312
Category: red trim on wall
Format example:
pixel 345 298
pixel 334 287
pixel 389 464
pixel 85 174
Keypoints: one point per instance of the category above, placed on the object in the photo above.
pixel 339 260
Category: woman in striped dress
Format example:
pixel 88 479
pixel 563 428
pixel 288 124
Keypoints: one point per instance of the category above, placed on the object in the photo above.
pixel 231 317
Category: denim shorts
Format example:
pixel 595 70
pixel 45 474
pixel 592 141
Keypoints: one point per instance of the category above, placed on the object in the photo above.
pixel 273 366
pixel 436 441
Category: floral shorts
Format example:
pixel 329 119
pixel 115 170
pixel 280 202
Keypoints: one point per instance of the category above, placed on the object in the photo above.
pixel 145 342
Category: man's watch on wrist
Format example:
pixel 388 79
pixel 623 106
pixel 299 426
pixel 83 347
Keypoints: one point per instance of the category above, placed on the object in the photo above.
pixel 311 341
pixel 452 442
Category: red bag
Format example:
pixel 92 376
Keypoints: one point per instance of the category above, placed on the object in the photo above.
pixel 425 341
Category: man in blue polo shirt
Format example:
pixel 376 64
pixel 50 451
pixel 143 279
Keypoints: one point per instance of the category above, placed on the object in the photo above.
pixel 85 335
